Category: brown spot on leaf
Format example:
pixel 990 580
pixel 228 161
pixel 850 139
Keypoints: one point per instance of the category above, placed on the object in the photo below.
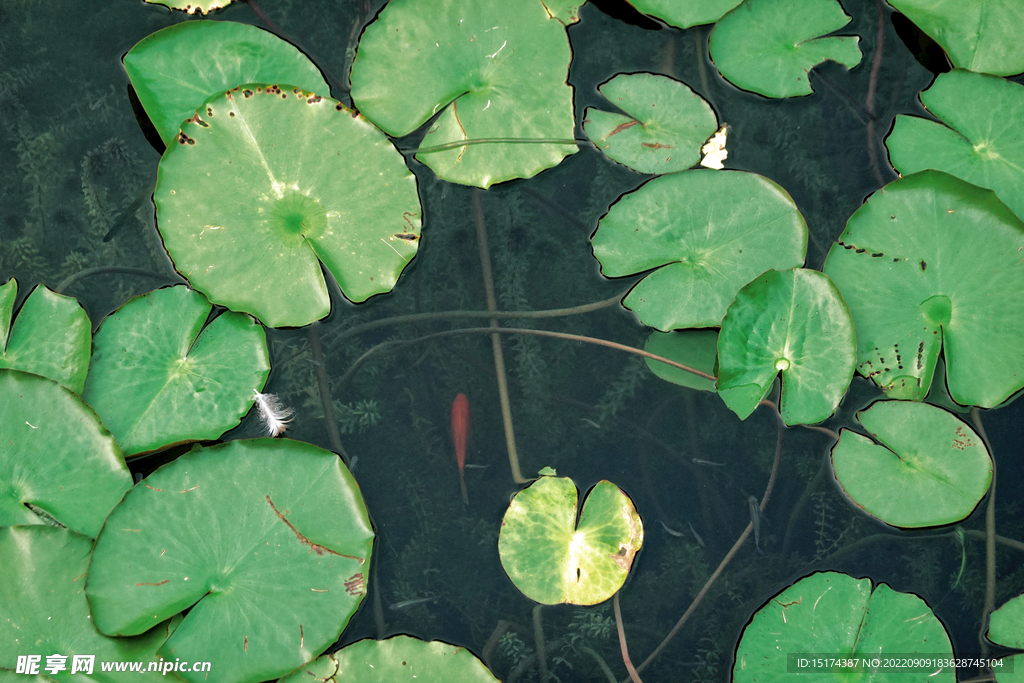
pixel 313 547
pixel 154 584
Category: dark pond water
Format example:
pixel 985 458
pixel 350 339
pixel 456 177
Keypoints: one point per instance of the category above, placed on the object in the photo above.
pixel 74 159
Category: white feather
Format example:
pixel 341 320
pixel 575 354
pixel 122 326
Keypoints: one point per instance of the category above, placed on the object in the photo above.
pixel 273 415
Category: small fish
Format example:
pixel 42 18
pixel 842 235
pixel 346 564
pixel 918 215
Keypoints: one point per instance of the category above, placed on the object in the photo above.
pixel 670 530
pixel 460 438
pixel 707 462
pixel 395 606
pixel 755 518
pixel 693 531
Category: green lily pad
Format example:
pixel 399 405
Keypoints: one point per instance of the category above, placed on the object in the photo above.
pixel 794 323
pixel 982 143
pixel 981 35
pixel 161 375
pixel 769 46
pixel 931 468
pixel 192 6
pixel 56 456
pixel 832 616
pixel 697 349
pixel 931 261
pixel 666 127
pixel 268 540
pixel 51 336
pixel 46 613
pixel 552 559
pixel 395 660
pixel 707 233
pixel 501 66
pixel 177 68
pixel 264 183
pixel 1006 625
pixel 686 14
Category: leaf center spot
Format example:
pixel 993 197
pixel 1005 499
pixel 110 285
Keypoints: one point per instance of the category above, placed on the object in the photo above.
pixel 782 364
pixel 295 214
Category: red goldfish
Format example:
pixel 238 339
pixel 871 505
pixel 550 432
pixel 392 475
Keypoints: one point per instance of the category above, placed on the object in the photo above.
pixel 460 437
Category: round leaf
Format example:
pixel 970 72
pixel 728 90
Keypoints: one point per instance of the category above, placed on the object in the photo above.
pixel 981 35
pixel 1006 625
pixel 833 615
pixel 666 127
pixel 269 538
pixel 45 610
pixel 685 14
pixel 263 182
pixel 697 349
pixel 982 143
pixel 794 323
pixel 927 261
pixel 56 456
pixel 192 6
pixel 177 68
pixel 552 559
pixel 395 660
pixel 931 468
pixel 160 375
pixel 51 336
pixel 769 46
pixel 708 233
pixel 501 66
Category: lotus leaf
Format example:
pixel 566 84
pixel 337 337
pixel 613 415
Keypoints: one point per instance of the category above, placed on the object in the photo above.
pixel 497 69
pixel 51 336
pixel 57 456
pixel 161 375
pixel 931 261
pixel 267 540
pixel 707 233
pixel 247 213
pixel 686 14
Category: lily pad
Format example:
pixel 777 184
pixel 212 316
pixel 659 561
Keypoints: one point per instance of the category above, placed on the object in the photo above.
pixel 794 323
pixel 931 468
pixel 46 613
pixel 51 336
pixel 686 14
pixel 666 126
pixel 769 46
pixel 395 660
pixel 833 616
pixel 268 541
pixel 697 349
pixel 707 233
pixel 265 183
pixel 931 261
pixel 1006 625
pixel 56 456
pixel 981 35
pixel 178 68
pixel 552 559
pixel 982 143
pixel 496 69
pixel 161 375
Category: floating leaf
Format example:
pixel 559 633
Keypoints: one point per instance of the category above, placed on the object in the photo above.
pixel 56 456
pixel 707 233
pixel 931 261
pixel 931 468
pixel 980 35
pixel 697 349
pixel 835 616
pixel 497 69
pixel 268 540
pixel 51 336
pixel 192 6
pixel 178 68
pixel 982 143
pixel 686 14
pixel 46 613
pixel 1006 625
pixel 794 323
pixel 552 559
pixel 395 660
pixel 666 124
pixel 264 183
pixel 769 46
pixel 161 375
